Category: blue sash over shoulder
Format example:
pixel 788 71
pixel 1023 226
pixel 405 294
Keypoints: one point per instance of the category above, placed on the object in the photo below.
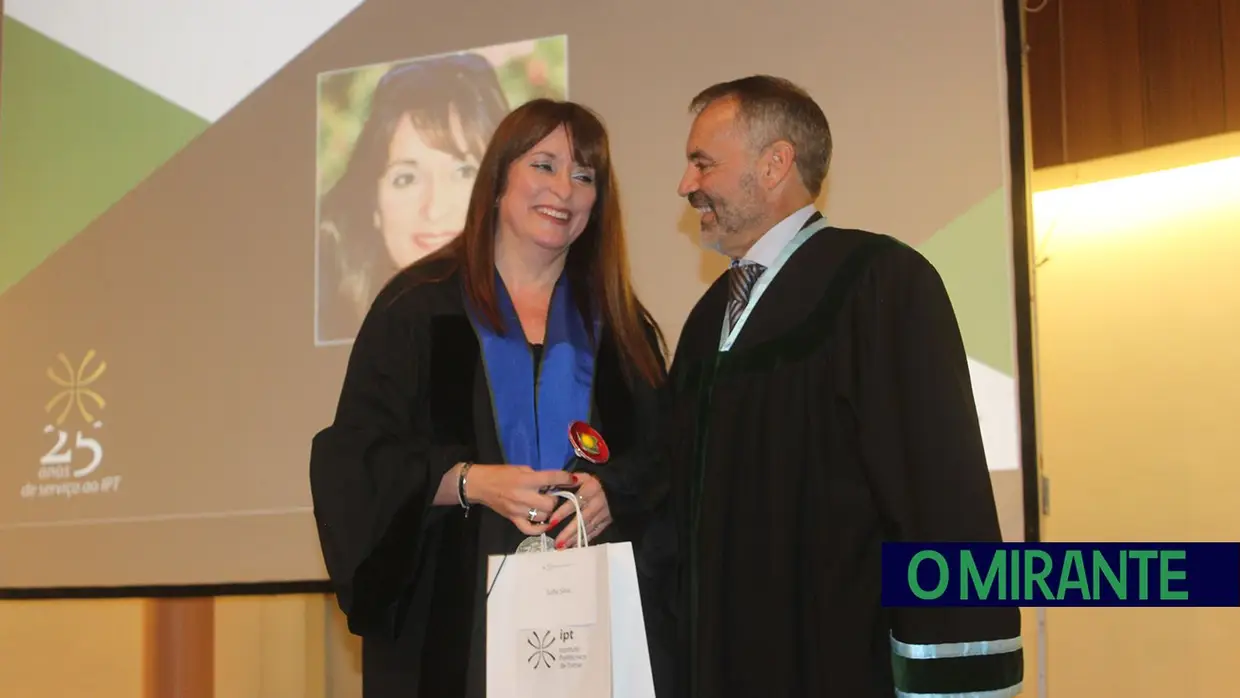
pixel 532 420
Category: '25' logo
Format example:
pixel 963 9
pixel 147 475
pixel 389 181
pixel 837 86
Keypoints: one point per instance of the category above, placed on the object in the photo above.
pixel 61 454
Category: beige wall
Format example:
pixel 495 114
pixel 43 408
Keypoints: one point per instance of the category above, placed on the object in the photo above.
pixel 1138 308
pixel 265 647
pixel 71 649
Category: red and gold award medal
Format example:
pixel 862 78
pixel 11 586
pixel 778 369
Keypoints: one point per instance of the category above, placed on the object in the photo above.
pixel 587 443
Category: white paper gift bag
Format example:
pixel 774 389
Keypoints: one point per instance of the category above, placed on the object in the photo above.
pixel 567 623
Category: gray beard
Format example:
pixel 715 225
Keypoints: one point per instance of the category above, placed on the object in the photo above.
pixel 728 243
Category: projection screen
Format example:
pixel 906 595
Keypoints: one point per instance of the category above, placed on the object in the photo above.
pixel 191 223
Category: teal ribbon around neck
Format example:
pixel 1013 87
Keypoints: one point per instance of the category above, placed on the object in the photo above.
pixel 728 335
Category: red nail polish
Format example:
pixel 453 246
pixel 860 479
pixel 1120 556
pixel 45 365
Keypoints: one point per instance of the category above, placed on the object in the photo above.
pixel 575 480
pixel 553 522
pixel 559 545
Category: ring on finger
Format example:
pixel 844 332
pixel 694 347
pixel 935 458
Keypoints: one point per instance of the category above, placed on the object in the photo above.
pixel 533 514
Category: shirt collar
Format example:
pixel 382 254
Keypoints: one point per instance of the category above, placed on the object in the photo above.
pixel 768 247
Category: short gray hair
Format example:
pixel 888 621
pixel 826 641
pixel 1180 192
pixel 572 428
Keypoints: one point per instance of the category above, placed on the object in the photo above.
pixel 773 109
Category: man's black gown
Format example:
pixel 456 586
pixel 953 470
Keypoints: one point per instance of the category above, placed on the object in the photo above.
pixel 415 401
pixel 841 417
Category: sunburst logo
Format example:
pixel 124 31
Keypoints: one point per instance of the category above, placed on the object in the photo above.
pixel 542 656
pixel 76 390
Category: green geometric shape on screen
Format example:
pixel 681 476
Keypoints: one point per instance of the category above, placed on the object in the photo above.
pixel 973 255
pixel 75 138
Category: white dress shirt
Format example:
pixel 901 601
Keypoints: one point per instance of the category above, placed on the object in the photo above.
pixel 768 247
pixel 766 250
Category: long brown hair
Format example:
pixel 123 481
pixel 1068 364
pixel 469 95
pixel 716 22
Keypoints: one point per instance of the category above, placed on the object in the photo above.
pixel 597 264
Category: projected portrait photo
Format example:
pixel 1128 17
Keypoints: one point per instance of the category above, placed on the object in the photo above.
pixel 398 150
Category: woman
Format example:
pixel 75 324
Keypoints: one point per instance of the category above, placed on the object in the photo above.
pixel 405 189
pixel 456 403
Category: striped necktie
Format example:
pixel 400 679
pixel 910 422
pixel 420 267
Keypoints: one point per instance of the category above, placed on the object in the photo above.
pixel 741 278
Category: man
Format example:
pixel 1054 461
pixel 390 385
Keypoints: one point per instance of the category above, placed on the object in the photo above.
pixel 823 406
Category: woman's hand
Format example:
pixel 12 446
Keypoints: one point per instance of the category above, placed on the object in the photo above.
pixel 594 511
pixel 513 491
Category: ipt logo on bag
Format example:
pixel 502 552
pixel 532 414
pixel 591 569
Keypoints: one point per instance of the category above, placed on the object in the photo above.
pixel 70 465
pixel 543 648
pixel 566 624
pixel 563 649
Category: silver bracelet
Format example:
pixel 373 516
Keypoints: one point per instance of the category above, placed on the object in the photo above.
pixel 460 487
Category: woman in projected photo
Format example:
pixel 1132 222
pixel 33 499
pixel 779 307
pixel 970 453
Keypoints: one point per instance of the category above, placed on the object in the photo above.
pixel 405 189
pixel 457 399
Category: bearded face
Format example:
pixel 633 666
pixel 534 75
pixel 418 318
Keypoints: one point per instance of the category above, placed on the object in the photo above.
pixel 721 181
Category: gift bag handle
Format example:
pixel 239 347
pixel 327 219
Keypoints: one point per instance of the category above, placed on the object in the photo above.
pixel 582 539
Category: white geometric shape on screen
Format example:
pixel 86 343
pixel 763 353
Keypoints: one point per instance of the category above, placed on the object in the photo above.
pixel 202 56
pixel 999 414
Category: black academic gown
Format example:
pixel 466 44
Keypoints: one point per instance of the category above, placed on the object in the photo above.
pixel 410 576
pixel 842 417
